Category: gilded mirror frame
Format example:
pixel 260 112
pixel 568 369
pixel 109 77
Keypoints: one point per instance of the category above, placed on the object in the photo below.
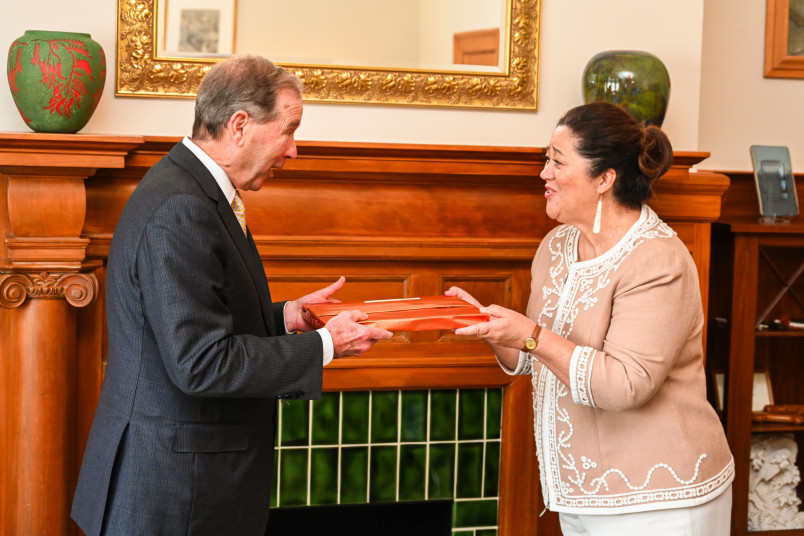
pixel 142 73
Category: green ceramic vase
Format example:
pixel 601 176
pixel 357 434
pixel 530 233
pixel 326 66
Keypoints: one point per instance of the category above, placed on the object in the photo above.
pixel 56 79
pixel 635 80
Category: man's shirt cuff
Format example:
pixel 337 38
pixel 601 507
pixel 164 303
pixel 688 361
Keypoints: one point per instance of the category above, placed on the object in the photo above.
pixel 329 347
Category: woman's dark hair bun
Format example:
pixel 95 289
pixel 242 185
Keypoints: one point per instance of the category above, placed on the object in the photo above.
pixel 656 156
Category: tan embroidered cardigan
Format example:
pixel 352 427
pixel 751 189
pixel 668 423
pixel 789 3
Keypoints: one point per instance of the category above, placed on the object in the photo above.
pixel 633 431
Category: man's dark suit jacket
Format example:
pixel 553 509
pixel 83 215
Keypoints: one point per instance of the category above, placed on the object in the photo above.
pixel 182 440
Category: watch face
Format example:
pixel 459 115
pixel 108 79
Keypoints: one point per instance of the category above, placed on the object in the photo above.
pixel 530 343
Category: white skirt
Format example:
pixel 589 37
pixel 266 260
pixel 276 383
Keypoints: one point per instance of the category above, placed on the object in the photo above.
pixel 709 519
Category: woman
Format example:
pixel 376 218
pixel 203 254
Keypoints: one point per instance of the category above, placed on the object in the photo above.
pixel 627 442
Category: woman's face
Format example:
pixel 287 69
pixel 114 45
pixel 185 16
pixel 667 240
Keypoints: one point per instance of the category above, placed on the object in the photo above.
pixel 570 191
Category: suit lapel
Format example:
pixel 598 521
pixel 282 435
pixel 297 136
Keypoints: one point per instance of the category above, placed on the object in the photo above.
pixel 245 244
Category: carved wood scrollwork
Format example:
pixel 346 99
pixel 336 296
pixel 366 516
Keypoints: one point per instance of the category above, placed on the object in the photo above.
pixel 78 289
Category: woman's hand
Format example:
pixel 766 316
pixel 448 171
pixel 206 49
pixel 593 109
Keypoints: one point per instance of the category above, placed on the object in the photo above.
pixel 505 328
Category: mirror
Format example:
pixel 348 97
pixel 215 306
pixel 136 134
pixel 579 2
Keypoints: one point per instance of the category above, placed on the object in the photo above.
pixel 425 53
pixel 401 34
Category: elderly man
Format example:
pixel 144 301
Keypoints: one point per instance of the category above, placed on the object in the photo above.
pixel 182 440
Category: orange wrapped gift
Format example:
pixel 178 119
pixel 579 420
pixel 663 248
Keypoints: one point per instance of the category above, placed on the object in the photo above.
pixel 407 314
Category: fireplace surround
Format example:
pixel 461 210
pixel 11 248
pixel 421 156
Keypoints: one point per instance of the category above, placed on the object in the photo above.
pixel 397 220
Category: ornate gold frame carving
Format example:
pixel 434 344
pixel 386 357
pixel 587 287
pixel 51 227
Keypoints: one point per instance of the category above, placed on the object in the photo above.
pixel 140 72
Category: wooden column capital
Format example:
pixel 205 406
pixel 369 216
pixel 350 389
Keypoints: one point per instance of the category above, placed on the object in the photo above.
pixel 78 289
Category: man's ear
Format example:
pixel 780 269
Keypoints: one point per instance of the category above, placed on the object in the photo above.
pixel 236 126
pixel 607 179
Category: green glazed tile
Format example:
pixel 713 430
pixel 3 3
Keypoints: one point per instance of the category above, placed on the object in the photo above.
pixel 474 513
pixel 355 417
pixel 293 478
pixel 275 480
pixel 325 419
pixel 274 423
pixel 324 476
pixel 442 471
pixel 491 484
pixel 412 461
pixel 486 532
pixel 383 474
pixel 414 416
pixel 471 407
pixel 470 470
pixel 295 423
pixel 384 416
pixel 493 413
pixel 354 475
pixel 442 415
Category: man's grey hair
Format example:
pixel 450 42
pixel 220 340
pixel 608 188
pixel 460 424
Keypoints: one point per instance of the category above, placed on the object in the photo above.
pixel 249 83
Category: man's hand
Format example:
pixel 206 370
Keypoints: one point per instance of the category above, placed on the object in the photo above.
pixel 295 317
pixel 352 339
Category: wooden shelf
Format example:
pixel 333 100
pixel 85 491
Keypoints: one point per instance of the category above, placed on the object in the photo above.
pixel 759 278
pixel 764 427
pixel 779 334
pixel 790 532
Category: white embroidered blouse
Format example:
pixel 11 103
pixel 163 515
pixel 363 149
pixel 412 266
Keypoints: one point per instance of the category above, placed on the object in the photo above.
pixel 633 431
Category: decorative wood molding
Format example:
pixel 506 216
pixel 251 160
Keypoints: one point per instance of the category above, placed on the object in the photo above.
pixel 60 154
pixel 42 176
pixel 78 289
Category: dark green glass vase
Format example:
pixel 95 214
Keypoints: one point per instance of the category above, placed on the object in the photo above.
pixel 56 79
pixel 635 80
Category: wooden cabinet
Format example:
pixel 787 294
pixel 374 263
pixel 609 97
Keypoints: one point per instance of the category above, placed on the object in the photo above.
pixel 756 277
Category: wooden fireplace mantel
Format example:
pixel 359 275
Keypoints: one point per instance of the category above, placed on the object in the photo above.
pixel 397 220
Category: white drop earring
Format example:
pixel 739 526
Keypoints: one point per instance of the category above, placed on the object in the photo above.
pixel 596 226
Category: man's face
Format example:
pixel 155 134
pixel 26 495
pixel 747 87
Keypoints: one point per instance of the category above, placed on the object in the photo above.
pixel 267 145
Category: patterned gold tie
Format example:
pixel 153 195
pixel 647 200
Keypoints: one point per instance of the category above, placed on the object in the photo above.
pixel 240 211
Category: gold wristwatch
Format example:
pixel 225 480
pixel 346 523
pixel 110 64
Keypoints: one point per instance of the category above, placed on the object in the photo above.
pixel 531 342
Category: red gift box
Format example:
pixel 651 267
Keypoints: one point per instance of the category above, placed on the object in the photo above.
pixel 406 314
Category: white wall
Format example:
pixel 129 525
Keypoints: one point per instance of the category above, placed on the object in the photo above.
pixel 572 32
pixel 333 33
pixel 739 107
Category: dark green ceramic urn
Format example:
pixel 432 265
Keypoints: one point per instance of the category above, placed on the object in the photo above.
pixel 635 80
pixel 56 79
